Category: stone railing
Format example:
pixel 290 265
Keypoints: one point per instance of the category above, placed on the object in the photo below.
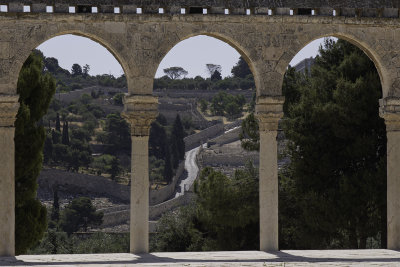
pixel 367 8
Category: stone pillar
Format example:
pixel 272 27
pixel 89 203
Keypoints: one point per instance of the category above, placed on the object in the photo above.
pixel 140 111
pixel 269 111
pixel 8 109
pixel 390 111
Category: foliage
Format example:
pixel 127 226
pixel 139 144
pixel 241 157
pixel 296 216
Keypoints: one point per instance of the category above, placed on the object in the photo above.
pixel 241 69
pixel 103 163
pixel 118 134
pixel 55 212
pixel 203 105
pixel 85 70
pixel 228 208
pixel 216 76
pixel 227 104
pixel 76 70
pixel 224 216
pixel 79 214
pixel 212 68
pixel 176 232
pixel 176 142
pixel 338 150
pixel 35 91
pixel 175 72
pixel 118 99
pixel 59 243
pixel 249 135
pixel 115 168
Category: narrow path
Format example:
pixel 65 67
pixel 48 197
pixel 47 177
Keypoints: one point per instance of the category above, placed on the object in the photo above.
pixel 192 171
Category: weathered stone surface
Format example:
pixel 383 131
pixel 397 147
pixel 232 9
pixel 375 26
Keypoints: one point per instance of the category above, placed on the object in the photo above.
pixel 140 111
pixel 228 3
pixel 287 258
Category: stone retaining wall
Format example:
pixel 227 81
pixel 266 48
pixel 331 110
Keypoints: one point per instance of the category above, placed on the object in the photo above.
pixel 195 140
pixel 158 196
pixel 228 160
pixel 122 216
pixel 83 183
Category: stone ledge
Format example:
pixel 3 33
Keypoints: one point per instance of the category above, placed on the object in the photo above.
pixel 301 258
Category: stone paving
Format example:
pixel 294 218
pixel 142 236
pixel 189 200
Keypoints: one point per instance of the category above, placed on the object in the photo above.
pixel 242 258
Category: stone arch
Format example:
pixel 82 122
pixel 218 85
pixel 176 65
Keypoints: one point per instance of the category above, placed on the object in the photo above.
pixel 363 45
pixel 40 38
pixel 246 54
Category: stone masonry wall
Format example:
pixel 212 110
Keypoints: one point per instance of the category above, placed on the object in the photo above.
pixel 83 183
pixel 195 140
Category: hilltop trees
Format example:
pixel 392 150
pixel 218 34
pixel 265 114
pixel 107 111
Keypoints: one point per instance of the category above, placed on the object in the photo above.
pixel 241 69
pixel 35 91
pixel 175 72
pixel 212 68
pixel 76 70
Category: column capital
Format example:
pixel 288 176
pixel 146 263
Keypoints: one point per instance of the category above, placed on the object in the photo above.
pixel 390 111
pixel 140 111
pixel 9 106
pixel 269 110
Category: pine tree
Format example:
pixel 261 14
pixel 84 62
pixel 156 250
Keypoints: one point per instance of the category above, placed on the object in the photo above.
pixel 35 90
pixel 58 124
pixel 337 147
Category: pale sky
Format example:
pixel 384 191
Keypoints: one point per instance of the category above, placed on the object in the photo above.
pixel 192 54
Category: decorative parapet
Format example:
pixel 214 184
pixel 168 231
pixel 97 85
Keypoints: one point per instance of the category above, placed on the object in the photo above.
pixel 269 110
pixel 8 110
pixel 352 8
pixel 140 111
pixel 390 111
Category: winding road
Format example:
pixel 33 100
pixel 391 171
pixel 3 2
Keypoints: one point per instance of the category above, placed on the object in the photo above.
pixel 192 170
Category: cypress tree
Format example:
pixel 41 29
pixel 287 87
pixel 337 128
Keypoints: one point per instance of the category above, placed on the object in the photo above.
pixel 35 90
pixel 55 213
pixel 58 125
pixel 65 134
pixel 48 149
pixel 168 173
pixel 177 135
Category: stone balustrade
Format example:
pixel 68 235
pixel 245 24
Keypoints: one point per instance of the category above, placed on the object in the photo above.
pixel 233 7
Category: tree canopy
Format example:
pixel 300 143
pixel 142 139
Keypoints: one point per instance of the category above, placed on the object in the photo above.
pixel 79 214
pixel 337 150
pixel 241 69
pixel 175 72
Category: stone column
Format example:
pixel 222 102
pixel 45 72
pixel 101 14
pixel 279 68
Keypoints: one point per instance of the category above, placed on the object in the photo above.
pixel 140 111
pixel 390 111
pixel 8 109
pixel 269 111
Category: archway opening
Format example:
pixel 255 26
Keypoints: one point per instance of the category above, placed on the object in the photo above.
pixel 205 89
pixel 333 175
pixel 69 123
